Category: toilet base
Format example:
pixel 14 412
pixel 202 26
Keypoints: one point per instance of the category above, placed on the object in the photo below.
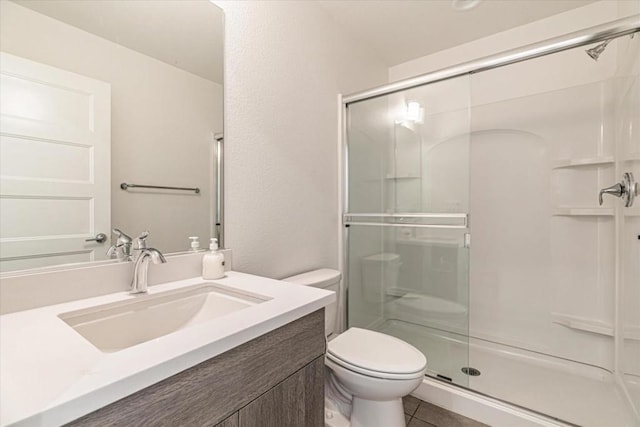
pixel 385 414
pixel 333 418
pixel 373 413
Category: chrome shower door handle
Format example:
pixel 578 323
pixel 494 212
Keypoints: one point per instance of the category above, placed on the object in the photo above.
pixel 626 189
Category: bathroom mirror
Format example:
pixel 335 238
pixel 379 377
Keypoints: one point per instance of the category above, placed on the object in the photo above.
pixel 97 94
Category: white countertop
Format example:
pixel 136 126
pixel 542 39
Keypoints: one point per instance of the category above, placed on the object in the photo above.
pixel 50 375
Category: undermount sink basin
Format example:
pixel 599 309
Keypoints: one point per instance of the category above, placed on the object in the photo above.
pixel 116 326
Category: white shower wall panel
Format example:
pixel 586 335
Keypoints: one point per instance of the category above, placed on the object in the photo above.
pixel 530 266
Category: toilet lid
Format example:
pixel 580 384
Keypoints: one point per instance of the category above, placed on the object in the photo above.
pixel 375 352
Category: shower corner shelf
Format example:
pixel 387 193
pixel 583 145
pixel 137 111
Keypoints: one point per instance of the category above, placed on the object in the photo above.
pixel 574 211
pixel 586 161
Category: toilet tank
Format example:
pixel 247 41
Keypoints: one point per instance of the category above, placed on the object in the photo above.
pixel 324 278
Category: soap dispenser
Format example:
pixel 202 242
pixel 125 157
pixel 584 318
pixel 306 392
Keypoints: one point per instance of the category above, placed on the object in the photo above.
pixel 195 243
pixel 213 262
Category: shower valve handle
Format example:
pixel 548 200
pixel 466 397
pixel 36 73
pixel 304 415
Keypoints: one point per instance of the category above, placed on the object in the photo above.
pixel 615 190
pixel 627 189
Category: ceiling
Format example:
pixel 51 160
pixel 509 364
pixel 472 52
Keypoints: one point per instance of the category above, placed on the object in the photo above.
pixel 187 34
pixel 180 32
pixel 401 30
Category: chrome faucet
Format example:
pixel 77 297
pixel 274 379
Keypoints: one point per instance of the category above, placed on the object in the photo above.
pixel 122 249
pixel 142 255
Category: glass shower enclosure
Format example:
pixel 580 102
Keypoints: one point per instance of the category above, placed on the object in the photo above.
pixel 474 230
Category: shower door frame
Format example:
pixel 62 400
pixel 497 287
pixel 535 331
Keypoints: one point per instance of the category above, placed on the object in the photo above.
pixel 599 33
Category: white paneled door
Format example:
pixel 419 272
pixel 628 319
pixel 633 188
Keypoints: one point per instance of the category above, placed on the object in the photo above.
pixel 55 162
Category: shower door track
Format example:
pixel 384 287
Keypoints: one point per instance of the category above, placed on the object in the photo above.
pixel 607 31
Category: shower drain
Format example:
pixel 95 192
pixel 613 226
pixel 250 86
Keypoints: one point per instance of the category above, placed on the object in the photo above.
pixel 473 372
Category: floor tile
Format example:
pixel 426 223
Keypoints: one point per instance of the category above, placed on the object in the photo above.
pixel 440 417
pixel 419 423
pixel 407 418
pixel 410 404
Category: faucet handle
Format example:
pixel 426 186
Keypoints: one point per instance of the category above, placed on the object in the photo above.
pixel 617 190
pixel 121 251
pixel 122 237
pixel 141 241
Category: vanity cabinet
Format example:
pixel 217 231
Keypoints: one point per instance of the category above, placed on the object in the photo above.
pixel 297 401
pixel 276 380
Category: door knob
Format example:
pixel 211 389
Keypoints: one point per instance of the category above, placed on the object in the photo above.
pixel 100 238
pixel 626 189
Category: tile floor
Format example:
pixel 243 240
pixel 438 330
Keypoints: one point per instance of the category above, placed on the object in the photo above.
pixel 419 413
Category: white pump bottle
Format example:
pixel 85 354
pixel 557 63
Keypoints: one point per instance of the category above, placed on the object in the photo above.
pixel 213 262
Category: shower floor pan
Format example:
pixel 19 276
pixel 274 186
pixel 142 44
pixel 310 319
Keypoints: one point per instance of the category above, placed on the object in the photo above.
pixel 570 391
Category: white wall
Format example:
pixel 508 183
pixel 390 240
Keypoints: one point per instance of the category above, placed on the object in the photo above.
pixel 162 123
pixel 286 62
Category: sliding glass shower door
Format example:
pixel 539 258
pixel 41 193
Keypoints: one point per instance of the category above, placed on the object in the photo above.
pixel 407 221
pixel 539 161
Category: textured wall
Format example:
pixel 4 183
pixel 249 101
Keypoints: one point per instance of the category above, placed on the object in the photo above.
pixel 285 64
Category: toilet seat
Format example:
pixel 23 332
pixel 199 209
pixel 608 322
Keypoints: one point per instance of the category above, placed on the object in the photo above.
pixel 373 374
pixel 376 355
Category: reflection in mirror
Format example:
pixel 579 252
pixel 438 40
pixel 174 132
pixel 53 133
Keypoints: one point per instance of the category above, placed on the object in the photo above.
pixel 95 94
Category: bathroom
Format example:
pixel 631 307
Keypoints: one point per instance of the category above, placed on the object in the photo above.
pixel 459 214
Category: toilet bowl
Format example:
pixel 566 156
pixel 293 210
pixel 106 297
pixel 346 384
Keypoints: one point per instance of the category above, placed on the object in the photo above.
pixel 369 372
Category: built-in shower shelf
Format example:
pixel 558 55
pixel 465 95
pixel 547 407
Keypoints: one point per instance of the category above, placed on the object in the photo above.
pixel 595 326
pixel 631 212
pixel 583 323
pixel 631 157
pixel 588 161
pixel 569 211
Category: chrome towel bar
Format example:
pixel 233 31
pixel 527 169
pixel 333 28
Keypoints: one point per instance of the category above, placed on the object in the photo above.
pixel 126 186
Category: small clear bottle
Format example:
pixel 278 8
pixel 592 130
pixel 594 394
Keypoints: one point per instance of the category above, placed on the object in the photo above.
pixel 195 243
pixel 213 262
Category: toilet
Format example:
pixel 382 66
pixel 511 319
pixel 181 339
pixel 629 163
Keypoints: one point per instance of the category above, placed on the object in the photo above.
pixel 368 372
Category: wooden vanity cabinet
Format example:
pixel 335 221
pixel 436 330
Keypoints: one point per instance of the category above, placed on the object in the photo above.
pixel 297 401
pixel 274 380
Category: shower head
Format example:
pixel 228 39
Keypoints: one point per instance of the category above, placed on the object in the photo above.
pixel 596 51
